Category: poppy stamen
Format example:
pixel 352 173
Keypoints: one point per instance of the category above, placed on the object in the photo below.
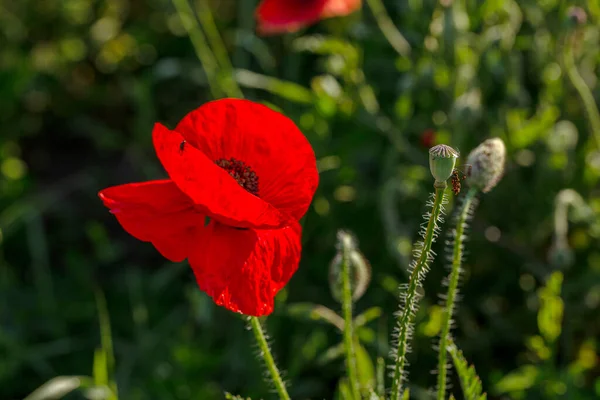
pixel 242 173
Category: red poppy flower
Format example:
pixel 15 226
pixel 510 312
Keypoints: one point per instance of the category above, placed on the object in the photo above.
pixel 249 170
pixel 277 16
pixel 428 138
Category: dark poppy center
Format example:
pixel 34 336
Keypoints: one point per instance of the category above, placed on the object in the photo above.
pixel 243 174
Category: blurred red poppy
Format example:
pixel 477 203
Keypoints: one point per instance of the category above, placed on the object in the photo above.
pixel 250 173
pixel 428 138
pixel 279 16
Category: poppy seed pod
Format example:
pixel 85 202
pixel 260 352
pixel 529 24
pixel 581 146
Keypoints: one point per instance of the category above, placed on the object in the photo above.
pixel 442 159
pixel 360 270
pixel 486 164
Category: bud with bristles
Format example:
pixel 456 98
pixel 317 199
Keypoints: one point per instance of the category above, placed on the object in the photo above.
pixel 486 163
pixel 360 270
pixel 576 16
pixel 442 160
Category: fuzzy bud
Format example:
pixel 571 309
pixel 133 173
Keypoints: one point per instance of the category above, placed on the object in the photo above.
pixel 486 163
pixel 576 16
pixel 442 160
pixel 360 270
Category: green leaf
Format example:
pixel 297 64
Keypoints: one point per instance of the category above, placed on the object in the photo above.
pixel 550 314
pixel 101 367
pixel 316 312
pixel 230 396
pixel 525 132
pixel 104 358
pixel 343 391
pixel 332 353
pixel 58 387
pixel 365 367
pixel 367 316
pixel 469 381
pixel 518 381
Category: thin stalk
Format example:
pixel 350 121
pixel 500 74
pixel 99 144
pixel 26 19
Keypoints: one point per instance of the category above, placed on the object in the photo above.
pixel 389 30
pixel 582 89
pixel 411 297
pixel 265 352
pixel 106 343
pixel 380 378
pixel 218 47
pixel 348 331
pixel 205 55
pixel 457 253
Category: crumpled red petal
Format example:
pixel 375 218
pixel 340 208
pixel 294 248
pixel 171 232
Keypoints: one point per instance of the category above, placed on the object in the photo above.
pixel 267 141
pixel 156 212
pixel 278 16
pixel 243 269
pixel 210 187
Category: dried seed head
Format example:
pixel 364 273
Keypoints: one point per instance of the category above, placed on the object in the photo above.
pixel 360 269
pixel 487 164
pixel 442 159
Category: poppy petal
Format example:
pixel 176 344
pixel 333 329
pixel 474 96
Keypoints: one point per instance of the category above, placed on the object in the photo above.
pixel 243 269
pixel 266 141
pixel 210 187
pixel 278 16
pixel 156 212
pixel 340 8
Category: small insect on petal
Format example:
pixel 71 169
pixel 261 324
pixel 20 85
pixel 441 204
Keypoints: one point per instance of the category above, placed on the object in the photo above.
pixel 182 146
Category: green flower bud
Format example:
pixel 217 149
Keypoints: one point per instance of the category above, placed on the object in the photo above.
pixel 442 160
pixel 360 269
pixel 486 163
pixel 576 16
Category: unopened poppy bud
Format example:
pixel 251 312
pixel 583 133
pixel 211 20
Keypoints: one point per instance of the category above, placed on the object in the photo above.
pixel 576 16
pixel 486 163
pixel 560 255
pixel 442 159
pixel 360 270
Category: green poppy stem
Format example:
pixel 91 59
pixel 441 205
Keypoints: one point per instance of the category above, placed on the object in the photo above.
pixel 348 330
pixel 389 30
pixel 457 253
pixel 228 83
pixel 265 353
pixel 203 52
pixel 411 296
pixel 587 98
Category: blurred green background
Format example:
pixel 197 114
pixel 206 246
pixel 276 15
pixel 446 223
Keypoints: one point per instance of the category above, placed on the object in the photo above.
pixel 82 83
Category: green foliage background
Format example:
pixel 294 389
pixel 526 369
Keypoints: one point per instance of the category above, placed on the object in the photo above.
pixel 82 83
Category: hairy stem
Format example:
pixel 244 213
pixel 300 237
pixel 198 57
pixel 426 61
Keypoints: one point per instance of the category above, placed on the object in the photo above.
pixel 457 253
pixel 205 55
pixel 582 89
pixel 411 297
pixel 348 330
pixel 265 352
pixel 389 30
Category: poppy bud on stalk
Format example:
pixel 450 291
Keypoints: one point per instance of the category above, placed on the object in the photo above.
pixel 442 159
pixel 486 163
pixel 360 270
pixel 576 16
